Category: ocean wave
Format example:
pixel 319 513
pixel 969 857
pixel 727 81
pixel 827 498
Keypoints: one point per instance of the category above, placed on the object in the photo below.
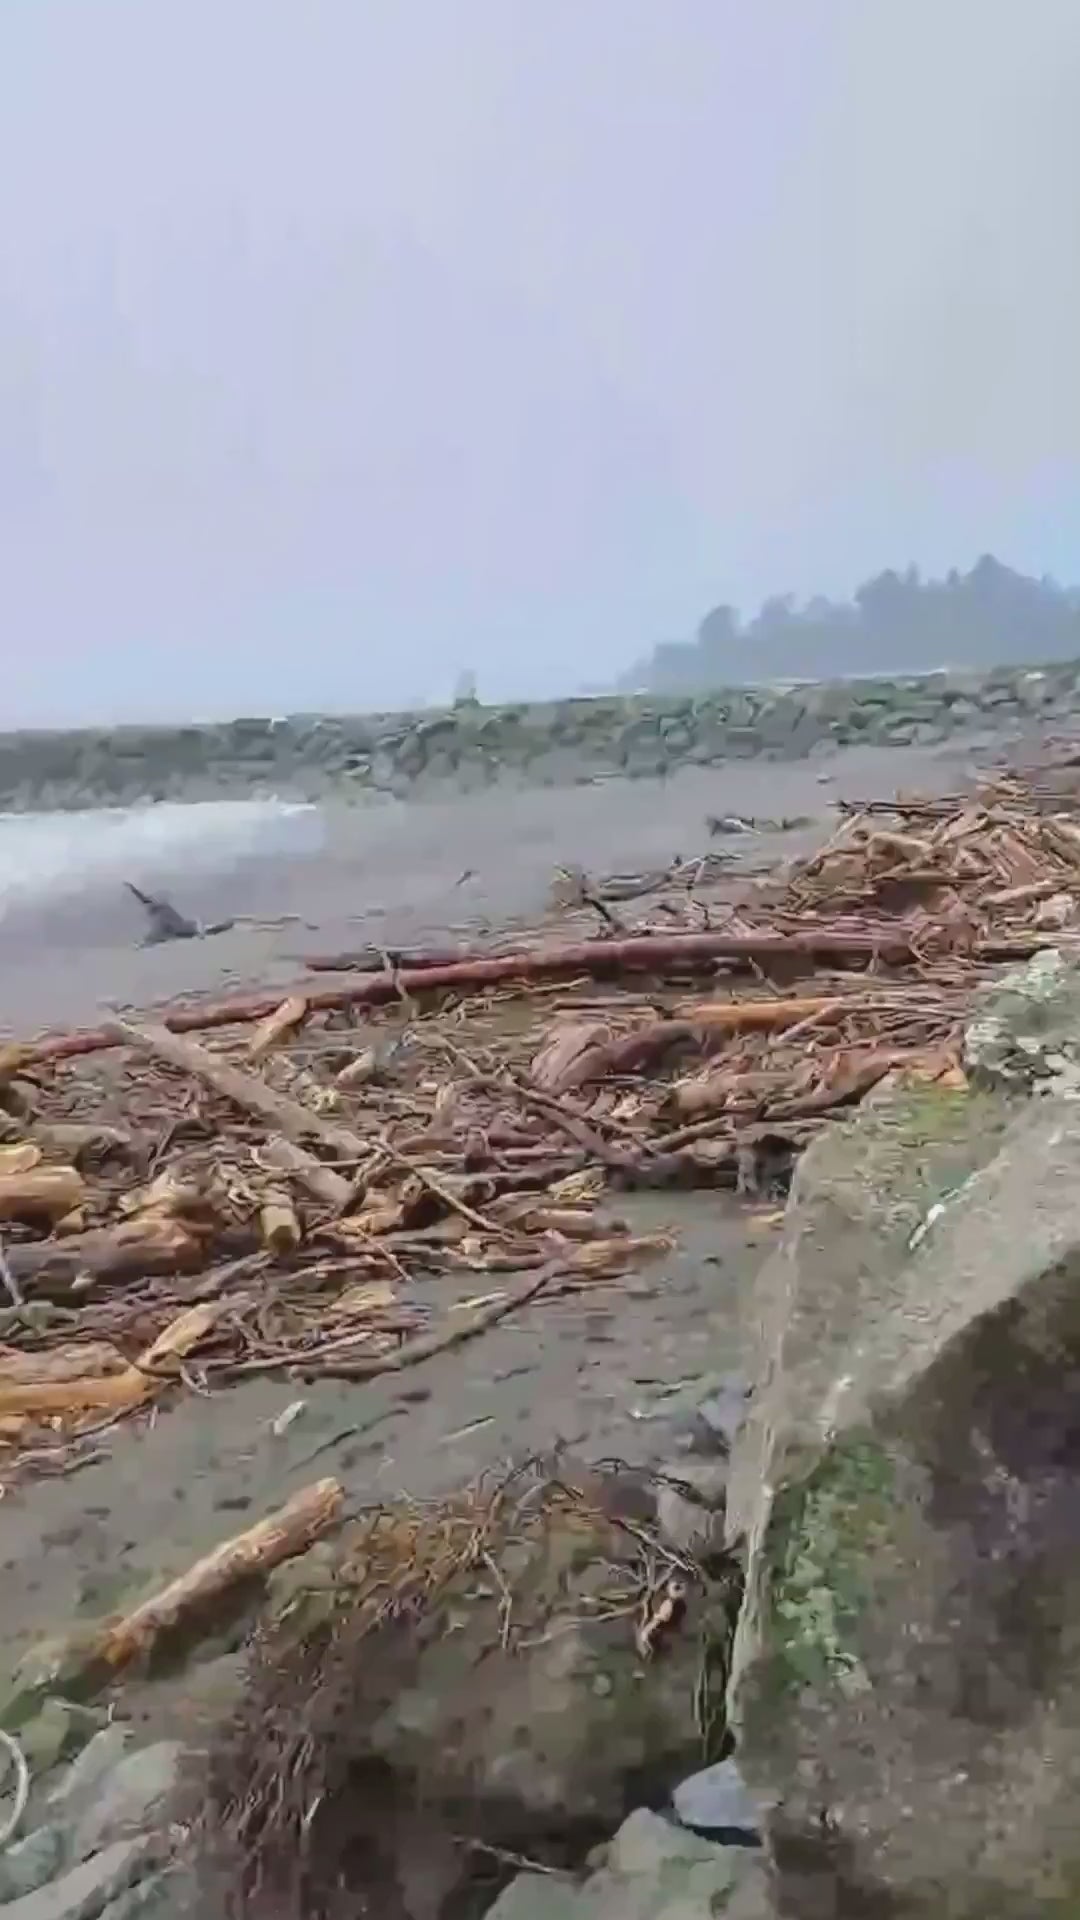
pixel 45 856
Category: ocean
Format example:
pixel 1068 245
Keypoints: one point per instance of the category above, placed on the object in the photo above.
pixel 46 858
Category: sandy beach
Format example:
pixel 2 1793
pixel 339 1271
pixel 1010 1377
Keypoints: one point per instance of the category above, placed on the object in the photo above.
pixel 389 872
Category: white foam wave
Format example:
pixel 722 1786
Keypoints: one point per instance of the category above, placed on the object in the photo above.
pixel 47 855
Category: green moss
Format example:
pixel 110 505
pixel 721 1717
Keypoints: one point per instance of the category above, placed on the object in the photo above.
pixel 822 1537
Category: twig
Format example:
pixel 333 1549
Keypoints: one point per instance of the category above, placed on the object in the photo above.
pixel 413 1352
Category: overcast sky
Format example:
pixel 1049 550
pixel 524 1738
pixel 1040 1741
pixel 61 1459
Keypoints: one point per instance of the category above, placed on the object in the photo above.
pixel 345 344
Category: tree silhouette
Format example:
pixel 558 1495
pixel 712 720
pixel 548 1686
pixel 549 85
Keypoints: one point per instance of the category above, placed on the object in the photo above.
pixel 896 623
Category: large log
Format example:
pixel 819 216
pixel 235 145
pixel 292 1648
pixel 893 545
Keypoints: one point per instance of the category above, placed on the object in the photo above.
pixel 641 953
pixel 151 1243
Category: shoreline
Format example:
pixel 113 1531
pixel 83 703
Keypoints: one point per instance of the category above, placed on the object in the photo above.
pixel 511 748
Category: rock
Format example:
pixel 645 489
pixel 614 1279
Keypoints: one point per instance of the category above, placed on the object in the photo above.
pixel 717 1801
pixel 653 1871
pixel 690 1497
pixel 83 1893
pixel 78 1785
pixel 30 1863
pixel 514 1704
pixel 162 1896
pixel 56 1732
pixel 54 1666
pixel 538 1896
pixel 906 1675
pixel 131 1798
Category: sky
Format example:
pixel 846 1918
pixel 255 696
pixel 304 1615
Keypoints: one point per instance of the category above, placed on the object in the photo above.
pixel 349 345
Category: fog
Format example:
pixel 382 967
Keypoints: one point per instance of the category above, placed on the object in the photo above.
pixel 348 346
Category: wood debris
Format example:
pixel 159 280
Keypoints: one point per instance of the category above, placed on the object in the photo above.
pixel 279 1197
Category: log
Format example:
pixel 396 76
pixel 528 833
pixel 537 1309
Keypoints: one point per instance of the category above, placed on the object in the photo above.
pixel 49 1384
pixel 331 1188
pixel 641 953
pixel 151 1243
pixel 761 1016
pixel 245 1090
pixel 40 1193
pixel 291 1530
pixel 278 1225
pixel 284 1020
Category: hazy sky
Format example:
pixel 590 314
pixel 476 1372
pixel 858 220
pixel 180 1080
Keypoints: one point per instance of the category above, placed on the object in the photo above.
pixel 348 343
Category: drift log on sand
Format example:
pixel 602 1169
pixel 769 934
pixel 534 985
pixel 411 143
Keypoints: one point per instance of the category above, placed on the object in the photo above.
pixel 56 1389
pixel 291 1530
pixel 151 1243
pixel 244 1089
pixel 36 1193
pixel 644 953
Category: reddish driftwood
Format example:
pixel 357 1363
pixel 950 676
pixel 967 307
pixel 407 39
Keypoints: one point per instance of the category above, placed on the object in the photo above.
pixel 642 953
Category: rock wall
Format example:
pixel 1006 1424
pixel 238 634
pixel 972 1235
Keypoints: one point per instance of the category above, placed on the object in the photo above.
pixel 561 742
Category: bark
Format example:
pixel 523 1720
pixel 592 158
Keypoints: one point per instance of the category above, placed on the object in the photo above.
pixel 289 1531
pixel 40 1193
pixel 276 1110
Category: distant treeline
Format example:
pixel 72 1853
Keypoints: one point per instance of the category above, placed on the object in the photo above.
pixel 896 623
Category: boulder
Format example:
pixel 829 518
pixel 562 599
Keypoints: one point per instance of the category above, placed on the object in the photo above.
pixel 905 1687
pixel 652 1871
pixel 507 1672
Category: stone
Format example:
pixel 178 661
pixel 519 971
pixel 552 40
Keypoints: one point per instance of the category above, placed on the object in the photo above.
pixel 513 1706
pixel 56 1732
pixel 690 1497
pixel 653 1871
pixel 717 1800
pixel 83 1893
pixel 538 1896
pixel 30 1863
pixel 905 1689
pixel 131 1798
pixel 77 1786
pixel 161 1896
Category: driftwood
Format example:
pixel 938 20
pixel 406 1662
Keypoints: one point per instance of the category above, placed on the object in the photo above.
pixel 149 1243
pixel 463 1327
pixel 278 1225
pixel 251 1555
pixel 244 1089
pixel 286 1157
pixel 643 953
pixel 39 1193
pixel 278 1026
pixel 56 1389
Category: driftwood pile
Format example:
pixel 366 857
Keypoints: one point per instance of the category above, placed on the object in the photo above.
pixel 283 1194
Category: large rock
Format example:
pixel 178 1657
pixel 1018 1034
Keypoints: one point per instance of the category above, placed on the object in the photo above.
pixel 906 1675
pixel 653 1871
pixel 465 1679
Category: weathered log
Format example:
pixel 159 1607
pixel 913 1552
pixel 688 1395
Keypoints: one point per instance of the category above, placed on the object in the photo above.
pixel 278 1224
pixel 151 1243
pixel 50 1384
pixel 243 1089
pixel 39 1193
pixel 331 1188
pixel 284 1021
pixel 645 953
pixel 291 1530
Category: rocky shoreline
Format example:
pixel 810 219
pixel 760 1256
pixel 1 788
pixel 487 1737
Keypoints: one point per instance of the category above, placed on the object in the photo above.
pixel 558 743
